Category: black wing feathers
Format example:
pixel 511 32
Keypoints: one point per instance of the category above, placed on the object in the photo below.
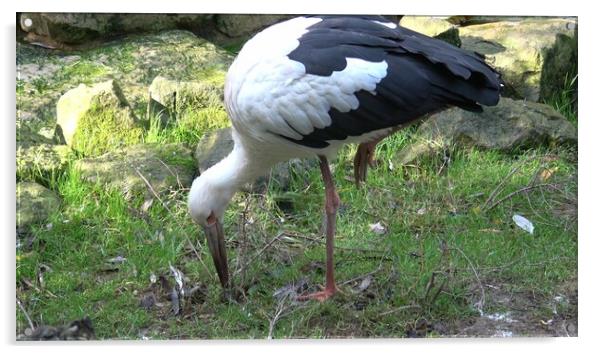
pixel 423 74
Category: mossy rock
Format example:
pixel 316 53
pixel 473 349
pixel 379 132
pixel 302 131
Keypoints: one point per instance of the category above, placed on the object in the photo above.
pixel 96 119
pixel 165 167
pixel 43 75
pixel 42 161
pixel 432 26
pixel 213 147
pixel 509 126
pixel 560 68
pixel 27 137
pixel 520 51
pixel 171 98
pixel 34 204
pixel 238 25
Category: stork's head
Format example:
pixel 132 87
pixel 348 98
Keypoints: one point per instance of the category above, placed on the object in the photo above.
pixel 209 196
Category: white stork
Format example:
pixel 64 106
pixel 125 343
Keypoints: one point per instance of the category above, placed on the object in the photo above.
pixel 310 85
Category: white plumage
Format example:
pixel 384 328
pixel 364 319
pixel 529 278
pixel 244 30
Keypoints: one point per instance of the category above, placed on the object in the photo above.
pixel 266 91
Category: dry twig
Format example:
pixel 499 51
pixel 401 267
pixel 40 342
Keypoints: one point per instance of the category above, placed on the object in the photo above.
pixel 481 303
pixel 25 314
pixel 401 308
pixel 522 190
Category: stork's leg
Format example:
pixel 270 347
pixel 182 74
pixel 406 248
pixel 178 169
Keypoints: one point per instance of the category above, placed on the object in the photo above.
pixel 363 157
pixel 331 206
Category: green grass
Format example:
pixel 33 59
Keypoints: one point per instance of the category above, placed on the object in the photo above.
pixel 445 216
pixel 564 100
pixel 187 126
pixel 437 219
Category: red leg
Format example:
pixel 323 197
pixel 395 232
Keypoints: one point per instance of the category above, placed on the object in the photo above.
pixel 331 206
pixel 363 157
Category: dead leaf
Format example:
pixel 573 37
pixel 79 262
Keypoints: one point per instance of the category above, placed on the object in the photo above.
pixel 421 211
pixel 378 228
pixel 146 205
pixel 116 260
pixel 364 284
pixel 546 173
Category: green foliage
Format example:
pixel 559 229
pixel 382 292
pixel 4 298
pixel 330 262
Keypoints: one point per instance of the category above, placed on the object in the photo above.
pixel 438 222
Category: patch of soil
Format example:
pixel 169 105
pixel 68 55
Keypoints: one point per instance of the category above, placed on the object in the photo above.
pixel 522 315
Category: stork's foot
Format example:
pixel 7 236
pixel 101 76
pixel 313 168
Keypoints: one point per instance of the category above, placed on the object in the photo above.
pixel 364 157
pixel 320 296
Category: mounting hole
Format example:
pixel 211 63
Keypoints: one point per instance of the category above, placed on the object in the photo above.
pixel 28 22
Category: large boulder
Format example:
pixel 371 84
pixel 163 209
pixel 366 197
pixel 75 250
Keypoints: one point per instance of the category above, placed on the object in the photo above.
pixel 512 124
pixel 524 49
pixel 95 119
pixel 38 157
pixel 78 28
pixel 244 26
pixel 34 204
pixel 141 170
pixel 69 30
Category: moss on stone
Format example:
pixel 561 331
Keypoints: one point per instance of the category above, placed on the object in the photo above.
pixel 180 95
pixel 518 50
pixel 164 166
pixel 34 203
pixel 510 126
pixel 41 162
pixel 102 129
pixel 428 25
pixel 84 71
pixel 96 119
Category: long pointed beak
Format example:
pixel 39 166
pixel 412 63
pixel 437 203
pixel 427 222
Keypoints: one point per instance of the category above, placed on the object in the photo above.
pixel 217 247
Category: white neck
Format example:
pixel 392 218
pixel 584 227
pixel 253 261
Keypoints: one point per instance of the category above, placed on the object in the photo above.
pixel 213 190
pixel 238 168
